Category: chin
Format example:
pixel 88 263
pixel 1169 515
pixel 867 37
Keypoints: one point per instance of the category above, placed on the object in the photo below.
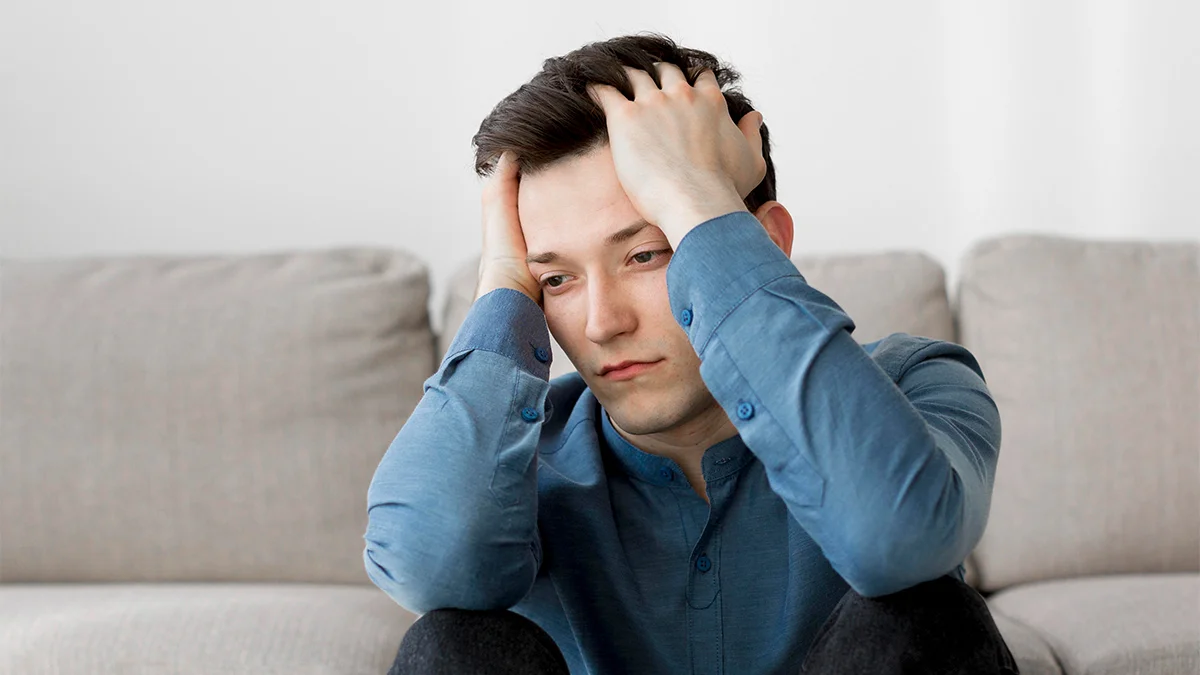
pixel 641 425
pixel 640 415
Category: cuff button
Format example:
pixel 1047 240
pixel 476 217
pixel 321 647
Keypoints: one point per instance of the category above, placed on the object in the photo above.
pixel 745 410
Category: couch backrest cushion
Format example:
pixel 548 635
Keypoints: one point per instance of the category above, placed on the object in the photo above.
pixel 202 418
pixel 899 291
pixel 1092 352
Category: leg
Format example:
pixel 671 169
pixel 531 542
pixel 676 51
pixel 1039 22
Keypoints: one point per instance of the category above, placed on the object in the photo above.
pixel 940 627
pixel 470 642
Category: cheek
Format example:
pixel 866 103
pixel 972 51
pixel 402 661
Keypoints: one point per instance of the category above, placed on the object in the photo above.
pixel 656 292
pixel 565 323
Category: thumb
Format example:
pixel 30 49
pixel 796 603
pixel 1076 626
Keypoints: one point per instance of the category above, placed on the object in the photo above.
pixel 749 126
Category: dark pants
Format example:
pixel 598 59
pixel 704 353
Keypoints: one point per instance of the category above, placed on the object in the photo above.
pixel 940 627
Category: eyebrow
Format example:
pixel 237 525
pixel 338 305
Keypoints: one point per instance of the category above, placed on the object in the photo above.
pixel 622 235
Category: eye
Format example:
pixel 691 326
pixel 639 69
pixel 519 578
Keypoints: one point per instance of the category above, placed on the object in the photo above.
pixel 643 259
pixel 649 253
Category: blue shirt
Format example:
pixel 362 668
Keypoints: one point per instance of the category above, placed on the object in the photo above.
pixel 855 466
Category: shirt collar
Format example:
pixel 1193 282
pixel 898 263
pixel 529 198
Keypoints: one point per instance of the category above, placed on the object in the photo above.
pixel 722 459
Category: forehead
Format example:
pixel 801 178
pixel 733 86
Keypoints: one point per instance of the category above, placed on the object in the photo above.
pixel 573 200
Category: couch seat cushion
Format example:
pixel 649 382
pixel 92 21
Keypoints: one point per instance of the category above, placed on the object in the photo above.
pixel 1113 625
pixel 1033 655
pixel 137 629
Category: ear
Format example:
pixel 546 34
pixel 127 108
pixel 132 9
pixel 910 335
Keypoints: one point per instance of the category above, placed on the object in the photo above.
pixel 775 217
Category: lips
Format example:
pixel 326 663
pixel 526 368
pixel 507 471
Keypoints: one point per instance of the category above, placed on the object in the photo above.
pixel 626 369
pixel 617 366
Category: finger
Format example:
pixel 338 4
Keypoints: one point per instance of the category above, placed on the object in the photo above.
pixel 501 166
pixel 504 167
pixel 750 125
pixel 669 74
pixel 707 79
pixel 499 186
pixel 507 162
pixel 642 83
pixel 606 96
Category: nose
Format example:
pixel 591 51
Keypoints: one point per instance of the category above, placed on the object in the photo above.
pixel 610 311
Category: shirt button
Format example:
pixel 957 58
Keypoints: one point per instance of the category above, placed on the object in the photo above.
pixel 703 563
pixel 745 410
pixel 529 414
pixel 666 474
pixel 541 354
pixel 685 317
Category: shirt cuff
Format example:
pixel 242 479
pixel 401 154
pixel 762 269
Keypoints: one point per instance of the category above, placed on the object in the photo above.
pixel 510 323
pixel 722 262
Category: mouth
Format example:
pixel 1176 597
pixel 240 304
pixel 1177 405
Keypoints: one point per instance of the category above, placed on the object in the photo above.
pixel 627 370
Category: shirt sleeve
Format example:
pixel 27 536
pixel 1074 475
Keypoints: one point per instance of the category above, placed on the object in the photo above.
pixel 891 478
pixel 452 507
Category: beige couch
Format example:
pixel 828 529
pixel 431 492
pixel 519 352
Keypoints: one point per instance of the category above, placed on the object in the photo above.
pixel 186 444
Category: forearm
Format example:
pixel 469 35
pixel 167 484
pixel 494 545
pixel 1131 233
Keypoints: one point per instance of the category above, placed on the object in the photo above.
pixel 452 508
pixel 893 496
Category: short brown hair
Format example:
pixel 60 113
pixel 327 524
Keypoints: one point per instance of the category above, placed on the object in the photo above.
pixel 551 117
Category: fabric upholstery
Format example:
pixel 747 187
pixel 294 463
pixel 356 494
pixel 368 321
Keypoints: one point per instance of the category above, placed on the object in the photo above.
pixel 218 418
pixel 210 418
pixel 1033 655
pixel 1113 625
pixel 1090 349
pixel 184 629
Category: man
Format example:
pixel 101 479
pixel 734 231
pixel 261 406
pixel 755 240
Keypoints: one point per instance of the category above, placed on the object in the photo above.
pixel 729 483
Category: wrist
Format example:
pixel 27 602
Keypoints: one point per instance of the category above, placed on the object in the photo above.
pixel 684 219
pixel 489 282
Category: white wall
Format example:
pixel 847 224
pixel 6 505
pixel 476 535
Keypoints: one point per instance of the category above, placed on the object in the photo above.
pixel 134 126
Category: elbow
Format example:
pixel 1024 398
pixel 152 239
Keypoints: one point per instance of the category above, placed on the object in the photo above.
pixel 878 567
pixel 421 582
pixel 887 568
pixel 906 551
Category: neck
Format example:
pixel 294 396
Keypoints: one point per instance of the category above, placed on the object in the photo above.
pixel 686 442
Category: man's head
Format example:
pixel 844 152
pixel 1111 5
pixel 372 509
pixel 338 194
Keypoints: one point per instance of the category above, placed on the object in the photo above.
pixel 604 289
pixel 551 117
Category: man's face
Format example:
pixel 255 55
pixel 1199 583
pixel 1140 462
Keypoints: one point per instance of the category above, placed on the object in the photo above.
pixel 606 302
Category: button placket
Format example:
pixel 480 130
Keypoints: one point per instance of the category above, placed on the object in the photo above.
pixel 703 577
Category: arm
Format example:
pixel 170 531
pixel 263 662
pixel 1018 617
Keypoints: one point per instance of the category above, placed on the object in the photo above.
pixel 892 479
pixel 452 508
